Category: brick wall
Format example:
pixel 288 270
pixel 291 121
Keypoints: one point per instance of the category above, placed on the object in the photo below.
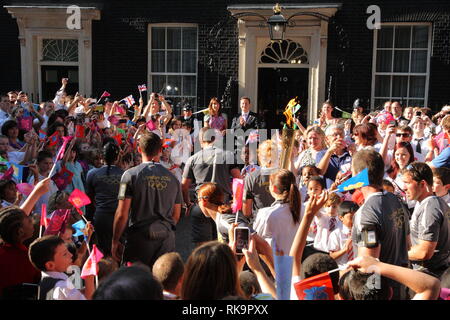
pixel 120 48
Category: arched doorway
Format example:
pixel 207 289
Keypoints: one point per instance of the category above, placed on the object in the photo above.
pixel 283 74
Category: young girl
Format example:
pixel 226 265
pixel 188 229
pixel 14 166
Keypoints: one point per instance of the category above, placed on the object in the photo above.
pixel 280 221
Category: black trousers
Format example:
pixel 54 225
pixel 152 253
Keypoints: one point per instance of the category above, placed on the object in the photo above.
pixel 103 225
pixel 203 228
pixel 148 243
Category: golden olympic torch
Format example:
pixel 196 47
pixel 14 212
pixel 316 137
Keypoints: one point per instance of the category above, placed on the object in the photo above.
pixel 288 135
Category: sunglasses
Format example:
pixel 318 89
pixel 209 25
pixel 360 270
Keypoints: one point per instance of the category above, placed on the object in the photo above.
pixel 404 135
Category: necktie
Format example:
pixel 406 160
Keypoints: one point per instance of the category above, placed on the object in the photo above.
pixel 245 116
pixel 332 224
pixel 418 147
pixel 350 250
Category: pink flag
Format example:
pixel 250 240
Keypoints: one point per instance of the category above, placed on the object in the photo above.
pixel 105 94
pixel 151 125
pixel 114 120
pixel 44 220
pixel 79 199
pixel 61 151
pixel 238 192
pixel 25 188
pixel 90 266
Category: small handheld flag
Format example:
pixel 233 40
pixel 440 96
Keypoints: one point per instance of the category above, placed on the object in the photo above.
pixel 79 227
pixel 358 181
pixel 25 123
pixel 17 173
pixel 53 139
pixel 44 221
pixel 104 94
pixel 42 135
pixel 79 131
pixel 118 139
pixel 79 199
pixel 142 87
pixel 150 125
pixel 252 137
pixel 62 178
pixel 238 192
pixel 129 100
pixel 90 266
pixel 318 287
pixel 25 188
pixel 58 222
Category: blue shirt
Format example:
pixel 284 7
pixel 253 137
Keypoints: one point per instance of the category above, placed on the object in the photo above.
pixel 443 159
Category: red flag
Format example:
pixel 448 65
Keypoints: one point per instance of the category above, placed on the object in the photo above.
pixel 44 220
pixel 118 139
pixel 238 191
pixel 53 139
pixel 62 178
pixel 57 222
pixel 79 199
pixel 8 174
pixel 315 288
pixel 90 266
pixel 79 131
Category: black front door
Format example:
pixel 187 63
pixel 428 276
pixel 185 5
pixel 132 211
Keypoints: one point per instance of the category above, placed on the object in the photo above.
pixel 276 86
pixel 51 80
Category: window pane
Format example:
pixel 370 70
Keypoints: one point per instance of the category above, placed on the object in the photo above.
pixel 158 38
pixel 419 61
pixel 379 103
pixel 158 61
pixel 382 86
pixel 420 37
pixel 173 38
pixel 416 103
pixel 385 37
pixel 51 76
pixel 384 61
pixel 158 83
pixel 174 86
pixel 400 86
pixel 417 86
pixel 189 86
pixel 401 61
pixel 173 61
pixel 189 38
pixel 60 50
pixel 73 76
pixel 402 37
pixel 189 61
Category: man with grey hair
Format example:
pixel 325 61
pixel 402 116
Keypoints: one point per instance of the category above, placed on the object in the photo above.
pixel 337 158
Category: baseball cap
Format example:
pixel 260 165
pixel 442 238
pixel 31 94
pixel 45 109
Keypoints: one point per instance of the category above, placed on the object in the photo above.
pixel 187 108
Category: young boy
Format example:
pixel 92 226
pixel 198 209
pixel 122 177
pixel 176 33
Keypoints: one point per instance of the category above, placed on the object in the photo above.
pixel 340 241
pixel 441 183
pixel 49 254
pixel 327 222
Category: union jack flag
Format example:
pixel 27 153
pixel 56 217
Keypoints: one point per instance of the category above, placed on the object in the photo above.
pixel 142 87
pixel 129 100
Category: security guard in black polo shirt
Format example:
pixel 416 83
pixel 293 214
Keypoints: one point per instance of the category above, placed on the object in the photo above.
pixel 210 164
pixel 150 201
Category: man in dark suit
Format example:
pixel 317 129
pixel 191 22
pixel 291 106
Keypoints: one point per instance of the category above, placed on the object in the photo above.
pixel 247 119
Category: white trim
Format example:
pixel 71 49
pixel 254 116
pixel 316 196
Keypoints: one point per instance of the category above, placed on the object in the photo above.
pixel 405 74
pixel 49 22
pixel 149 59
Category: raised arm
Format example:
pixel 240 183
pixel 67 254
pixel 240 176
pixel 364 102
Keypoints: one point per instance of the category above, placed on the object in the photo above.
pixel 425 286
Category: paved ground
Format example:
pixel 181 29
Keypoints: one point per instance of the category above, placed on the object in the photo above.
pixel 184 244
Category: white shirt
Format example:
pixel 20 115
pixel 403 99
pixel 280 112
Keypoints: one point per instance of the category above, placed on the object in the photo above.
pixel 275 223
pixel 64 289
pixel 423 146
pixel 46 196
pixel 322 221
pixel 337 241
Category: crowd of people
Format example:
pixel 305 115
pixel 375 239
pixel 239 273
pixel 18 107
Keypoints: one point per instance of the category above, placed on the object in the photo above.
pixel 127 173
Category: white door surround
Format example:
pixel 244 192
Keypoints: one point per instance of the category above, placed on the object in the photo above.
pixel 309 31
pixel 49 22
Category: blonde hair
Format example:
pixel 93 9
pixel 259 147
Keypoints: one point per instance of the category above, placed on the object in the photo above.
pixel 267 152
pixel 317 130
